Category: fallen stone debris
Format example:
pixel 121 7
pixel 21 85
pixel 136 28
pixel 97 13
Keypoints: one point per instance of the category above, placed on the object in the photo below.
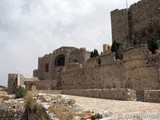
pixel 56 107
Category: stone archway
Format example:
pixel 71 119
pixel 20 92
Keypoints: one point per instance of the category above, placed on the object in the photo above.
pixel 33 87
pixel 60 60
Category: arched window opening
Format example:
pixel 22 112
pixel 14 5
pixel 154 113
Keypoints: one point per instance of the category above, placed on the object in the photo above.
pixel 60 61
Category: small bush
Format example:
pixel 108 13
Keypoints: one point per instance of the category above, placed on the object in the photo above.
pixel 20 92
pixel 152 45
pixel 116 49
pixel 115 46
pixel 94 53
pixel 33 108
pixel 42 113
pixel 30 104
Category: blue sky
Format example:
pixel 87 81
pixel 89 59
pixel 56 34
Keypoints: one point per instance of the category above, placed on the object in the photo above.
pixel 31 28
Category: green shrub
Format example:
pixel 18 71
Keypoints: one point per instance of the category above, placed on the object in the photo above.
pixel 115 46
pixel 30 103
pixel 116 49
pixel 20 92
pixel 94 53
pixel 152 45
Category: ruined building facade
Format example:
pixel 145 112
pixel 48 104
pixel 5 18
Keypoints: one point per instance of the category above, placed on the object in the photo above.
pixel 135 77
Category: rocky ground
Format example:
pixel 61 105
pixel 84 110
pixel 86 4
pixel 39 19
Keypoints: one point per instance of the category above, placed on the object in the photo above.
pixel 121 109
pixel 66 107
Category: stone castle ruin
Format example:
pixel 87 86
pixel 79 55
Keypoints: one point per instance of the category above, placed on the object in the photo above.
pixel 135 77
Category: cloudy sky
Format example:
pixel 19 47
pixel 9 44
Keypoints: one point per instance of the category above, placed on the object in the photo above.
pixel 32 28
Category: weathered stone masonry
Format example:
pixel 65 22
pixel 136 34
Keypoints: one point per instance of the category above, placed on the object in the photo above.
pixel 73 71
pixel 137 24
pixel 135 71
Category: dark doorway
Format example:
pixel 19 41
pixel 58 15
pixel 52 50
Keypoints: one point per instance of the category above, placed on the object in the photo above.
pixel 60 61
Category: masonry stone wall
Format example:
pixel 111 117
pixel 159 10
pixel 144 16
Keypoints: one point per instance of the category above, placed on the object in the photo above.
pixel 79 55
pixel 16 80
pixel 115 94
pixel 134 71
pixel 152 96
pixel 120 28
pixel 138 24
pixel 139 70
pixel 43 61
pixel 71 55
pixel 40 85
pixel 69 68
pixel 13 82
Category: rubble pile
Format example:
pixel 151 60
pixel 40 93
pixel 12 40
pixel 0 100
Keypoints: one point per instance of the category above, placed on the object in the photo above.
pixel 14 109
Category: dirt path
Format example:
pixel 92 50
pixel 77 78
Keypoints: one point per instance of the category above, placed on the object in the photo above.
pixel 120 107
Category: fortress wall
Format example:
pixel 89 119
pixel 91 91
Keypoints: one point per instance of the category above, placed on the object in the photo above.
pixel 61 49
pixel 119 22
pixel 71 54
pixel 134 71
pixel 152 96
pixel 92 62
pixel 12 83
pixel 136 25
pixel 142 78
pixel 138 52
pixel 40 85
pixel 73 67
pixel 104 60
pixel 142 69
pixel 144 13
pixel 115 94
pixel 79 55
pixel 97 77
pixel 107 59
pixel 40 67
pixel 42 64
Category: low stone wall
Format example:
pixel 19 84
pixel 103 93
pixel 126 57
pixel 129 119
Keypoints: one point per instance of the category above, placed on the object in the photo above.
pixel 152 96
pixel 40 85
pixel 116 94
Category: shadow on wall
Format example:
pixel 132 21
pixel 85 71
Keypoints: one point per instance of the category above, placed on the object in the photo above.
pixel 60 60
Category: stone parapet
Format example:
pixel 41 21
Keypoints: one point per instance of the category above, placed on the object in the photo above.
pixel 115 94
pixel 152 96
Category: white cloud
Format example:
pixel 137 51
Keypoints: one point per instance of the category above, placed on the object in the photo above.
pixel 32 28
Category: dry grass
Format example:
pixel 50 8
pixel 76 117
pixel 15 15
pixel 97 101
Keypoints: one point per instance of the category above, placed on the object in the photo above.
pixel 2 94
pixel 30 103
pixel 33 107
pixel 62 111
pixel 42 112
